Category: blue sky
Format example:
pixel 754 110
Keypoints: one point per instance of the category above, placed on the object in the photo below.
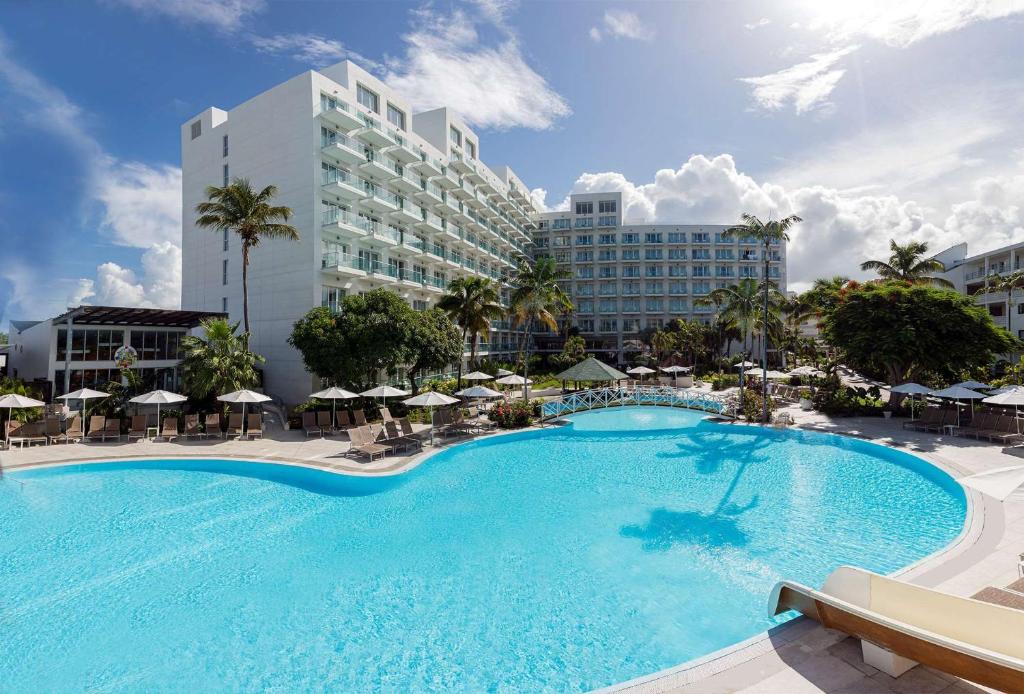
pixel 872 122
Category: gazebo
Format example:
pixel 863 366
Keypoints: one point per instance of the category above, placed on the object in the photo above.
pixel 591 369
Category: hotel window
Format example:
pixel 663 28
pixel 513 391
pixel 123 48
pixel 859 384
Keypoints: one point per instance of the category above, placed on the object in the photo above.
pixel 609 325
pixel 606 221
pixel 367 98
pixel 654 271
pixel 561 256
pixel 584 256
pixel 197 129
pixel 631 271
pixel 724 271
pixel 225 239
pixel 585 306
pixel 702 271
pixel 584 208
pixel 586 325
pixel 606 206
pixel 471 148
pixel 606 289
pixel 607 254
pixel 677 254
pixel 585 289
pixel 656 323
pixel 654 306
pixel 455 135
pixel 676 237
pixel 560 224
pixel 585 222
pixel 677 287
pixel 631 254
pixel 585 240
pixel 606 272
pixel 224 271
pixel 223 304
pixel 677 305
pixel 701 287
pixel 630 288
pixel 721 237
pixel 226 174
pixel 585 272
pixel 606 239
pixel 724 254
pixel 701 254
pixel 676 271
pixel 630 238
pixel 653 237
pixel 631 305
pixel 701 238
pixel 560 241
pixel 396 117
pixel 608 306
pixel 630 325
pixel 653 254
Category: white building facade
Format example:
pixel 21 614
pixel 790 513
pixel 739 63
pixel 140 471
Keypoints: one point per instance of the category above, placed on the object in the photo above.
pixel 625 278
pixel 381 196
pixel 972 275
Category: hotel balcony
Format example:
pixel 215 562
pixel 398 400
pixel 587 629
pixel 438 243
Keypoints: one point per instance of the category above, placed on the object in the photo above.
pixel 435 284
pixel 344 264
pixel 406 180
pixel 343 116
pixel 344 150
pixel 449 180
pixel 345 223
pixel 429 194
pixel 375 134
pixel 428 166
pixel 454 232
pixel 464 192
pixel 384 235
pixel 403 150
pixel 379 199
pixel 410 246
pixel 379 166
pixel 430 222
pixel 383 271
pixel 343 184
pixel 462 164
pixel 407 213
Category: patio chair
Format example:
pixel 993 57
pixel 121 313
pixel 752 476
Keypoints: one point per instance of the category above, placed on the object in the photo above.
pixel 362 444
pixel 97 428
pixel 343 422
pixel 1005 430
pixel 982 421
pixel 112 429
pixel 234 425
pixel 22 433
pixel 393 437
pixel 192 426
pixel 137 429
pixel 309 424
pixel 385 415
pixel 254 429
pixel 323 420
pixel 170 428
pixel 52 430
pixel 74 430
pixel 212 426
pixel 359 418
pixel 405 427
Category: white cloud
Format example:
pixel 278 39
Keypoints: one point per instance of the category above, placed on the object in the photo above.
pixel 226 15
pixel 539 197
pixel 622 24
pixel 159 286
pixel 806 85
pixel 142 204
pixel 307 48
pixel 446 64
pixel 763 22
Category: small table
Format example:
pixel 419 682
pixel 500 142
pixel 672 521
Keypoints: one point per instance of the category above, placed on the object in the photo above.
pixel 152 436
pixel 951 429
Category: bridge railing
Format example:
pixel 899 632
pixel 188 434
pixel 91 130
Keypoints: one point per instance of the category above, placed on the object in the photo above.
pixel 688 398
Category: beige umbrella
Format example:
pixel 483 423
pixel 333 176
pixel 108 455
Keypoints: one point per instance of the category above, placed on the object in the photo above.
pixel 244 397
pixel 334 394
pixel 384 392
pixel 14 401
pixel 430 400
pixel 84 394
pixel 477 376
pixel 158 398
pixel 911 389
pixel 642 370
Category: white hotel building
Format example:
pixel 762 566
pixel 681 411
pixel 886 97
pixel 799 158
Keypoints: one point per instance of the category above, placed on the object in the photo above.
pixel 971 275
pixel 628 277
pixel 382 197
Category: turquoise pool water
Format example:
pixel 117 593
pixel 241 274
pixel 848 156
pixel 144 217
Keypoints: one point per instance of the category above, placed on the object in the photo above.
pixel 566 559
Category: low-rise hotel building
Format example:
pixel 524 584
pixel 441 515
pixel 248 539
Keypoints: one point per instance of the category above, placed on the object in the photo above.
pixel 972 275
pixel 382 196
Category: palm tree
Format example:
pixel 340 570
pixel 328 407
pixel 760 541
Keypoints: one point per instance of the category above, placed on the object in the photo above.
pixel 237 208
pixel 908 264
pixel 769 233
pixel 218 363
pixel 537 298
pixel 737 304
pixel 999 283
pixel 472 302
pixel 663 343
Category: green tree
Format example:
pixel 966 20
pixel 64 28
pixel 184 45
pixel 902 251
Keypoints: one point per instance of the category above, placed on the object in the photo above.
pixel 537 299
pixel 663 342
pixel 908 264
pixel 239 209
pixel 768 234
pixel 472 302
pixel 434 343
pixel 999 283
pixel 218 362
pixel 911 333
pixel 574 350
pixel 825 292
pixel 368 335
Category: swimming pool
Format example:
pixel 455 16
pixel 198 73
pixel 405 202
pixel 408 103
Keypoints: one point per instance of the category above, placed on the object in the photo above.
pixel 565 559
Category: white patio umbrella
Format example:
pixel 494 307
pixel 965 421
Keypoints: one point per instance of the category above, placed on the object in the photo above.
pixel 504 372
pixel 430 400
pixel 642 370
pixel 1006 389
pixel 479 392
pixel 384 392
pixel 958 393
pixel 807 370
pixel 84 394
pixel 334 393
pixel 743 364
pixel 477 376
pixel 13 401
pixel 158 398
pixel 999 483
pixel 675 370
pixel 974 385
pixel 514 380
pixel 244 397
pixel 774 375
pixel 911 389
pixel 1012 397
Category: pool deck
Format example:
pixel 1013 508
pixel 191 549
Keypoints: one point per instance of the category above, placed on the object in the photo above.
pixel 797 657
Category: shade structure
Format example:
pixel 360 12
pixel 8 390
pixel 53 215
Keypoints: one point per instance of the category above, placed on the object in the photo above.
pixel 244 397
pixel 430 400
pixel 958 393
pixel 1007 398
pixel 1006 389
pixel 479 392
pixel 999 483
pixel 743 365
pixel 13 401
pixel 514 380
pixel 974 385
pixel 641 371
pixel 591 369
pixel 158 398
pixel 477 376
pixel 334 394
pixel 384 392
pixel 675 369
pixel 911 389
pixel 84 394
pixel 504 372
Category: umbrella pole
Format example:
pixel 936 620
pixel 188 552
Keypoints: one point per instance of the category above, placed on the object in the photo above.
pixel 430 411
pixel 244 432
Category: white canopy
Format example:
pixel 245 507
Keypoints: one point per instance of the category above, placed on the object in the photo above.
pixel 384 392
pixel 84 394
pixel 430 398
pixel 514 380
pixel 477 376
pixel 1007 398
pixel 479 392
pixel 158 397
pixel 334 393
pixel 1006 389
pixel 504 372
pixel 958 392
pixel 806 370
pixel 1000 483
pixel 911 389
pixel 674 369
pixel 243 396
pixel 744 364
pixel 974 385
pixel 642 370
pixel 15 401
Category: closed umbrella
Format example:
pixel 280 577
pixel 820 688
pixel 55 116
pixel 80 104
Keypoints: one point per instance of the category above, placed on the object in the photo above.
pixel 477 376
pixel 244 397
pixel 911 389
pixel 430 400
pixel 1012 397
pixel 158 398
pixel 642 370
pixel 334 394
pixel 84 394
pixel 384 392
pixel 958 393
pixel 14 401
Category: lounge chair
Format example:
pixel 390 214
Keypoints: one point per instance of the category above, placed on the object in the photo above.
pixel 1004 430
pixel 405 427
pixel 234 425
pixel 359 418
pixel 344 424
pixel 309 424
pixel 170 428
pixel 192 426
pixel 385 415
pixel 933 420
pixel 137 430
pixel 52 430
pixel 392 436
pixel 323 420
pixel 363 444
pixel 254 429
pixel 112 429
pixel 74 430
pixel 213 426
pixel 23 433
pixel 97 428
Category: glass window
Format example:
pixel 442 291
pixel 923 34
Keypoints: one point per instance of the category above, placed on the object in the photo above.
pixel 224 271
pixel 585 222
pixel 456 135
pixel 652 237
pixel 471 147
pixel 367 98
pixel 584 208
pixel 606 206
pixel 606 221
pixel 396 117
pixel 225 147
pixel 197 129
pixel 227 175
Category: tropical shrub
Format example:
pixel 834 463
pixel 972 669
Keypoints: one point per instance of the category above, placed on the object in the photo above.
pixel 753 406
pixel 514 415
pixel 723 381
